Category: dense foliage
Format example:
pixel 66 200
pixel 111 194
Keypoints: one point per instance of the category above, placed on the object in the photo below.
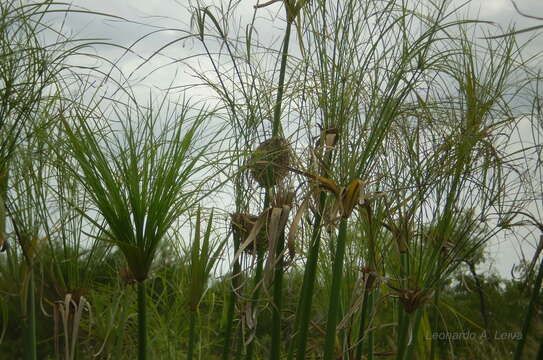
pixel 334 195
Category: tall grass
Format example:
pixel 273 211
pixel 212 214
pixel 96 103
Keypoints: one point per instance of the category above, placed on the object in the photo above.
pixel 138 177
pixel 30 71
pixel 342 55
pixel 393 168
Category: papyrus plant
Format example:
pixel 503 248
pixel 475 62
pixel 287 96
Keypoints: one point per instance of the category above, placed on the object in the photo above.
pixel 30 67
pixel 361 71
pixel 138 170
pixel 204 252
pixel 265 178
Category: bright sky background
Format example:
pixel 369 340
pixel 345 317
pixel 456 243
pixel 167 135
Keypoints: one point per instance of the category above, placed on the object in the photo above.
pixel 174 15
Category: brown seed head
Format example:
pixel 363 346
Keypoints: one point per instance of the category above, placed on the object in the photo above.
pixel 242 225
pixel 127 276
pixel 268 163
pixel 412 299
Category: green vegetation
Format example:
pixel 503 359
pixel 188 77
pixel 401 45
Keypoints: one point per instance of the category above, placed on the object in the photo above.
pixel 337 195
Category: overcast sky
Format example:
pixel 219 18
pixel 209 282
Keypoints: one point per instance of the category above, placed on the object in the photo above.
pixel 174 15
